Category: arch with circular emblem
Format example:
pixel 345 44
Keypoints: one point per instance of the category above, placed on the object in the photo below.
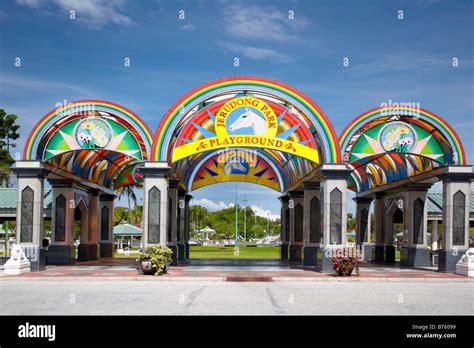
pixel 388 144
pixel 96 140
pixel 247 129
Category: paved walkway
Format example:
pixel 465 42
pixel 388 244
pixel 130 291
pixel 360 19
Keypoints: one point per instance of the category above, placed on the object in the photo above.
pixel 231 270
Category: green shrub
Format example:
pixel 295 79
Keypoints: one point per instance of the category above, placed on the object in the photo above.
pixel 345 261
pixel 158 255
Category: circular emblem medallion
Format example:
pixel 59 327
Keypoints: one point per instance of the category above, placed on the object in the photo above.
pixel 93 133
pixel 397 137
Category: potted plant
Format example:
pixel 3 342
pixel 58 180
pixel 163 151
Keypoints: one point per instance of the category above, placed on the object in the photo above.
pixel 345 261
pixel 155 259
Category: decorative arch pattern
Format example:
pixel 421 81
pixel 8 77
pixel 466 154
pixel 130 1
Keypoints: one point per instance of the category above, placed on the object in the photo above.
pixel 387 144
pixel 93 139
pixel 283 125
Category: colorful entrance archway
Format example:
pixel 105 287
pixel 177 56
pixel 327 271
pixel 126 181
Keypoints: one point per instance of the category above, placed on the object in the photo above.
pixel 246 129
pixel 396 153
pixel 263 118
pixel 387 144
pixel 95 140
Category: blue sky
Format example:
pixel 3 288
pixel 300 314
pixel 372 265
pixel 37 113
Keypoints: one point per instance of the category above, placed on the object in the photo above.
pixel 403 60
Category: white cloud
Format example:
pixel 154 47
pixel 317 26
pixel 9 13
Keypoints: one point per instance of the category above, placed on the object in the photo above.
pixel 214 206
pixel 211 205
pixel 15 82
pixel 31 3
pixel 410 60
pixel 93 13
pixel 187 27
pixel 262 23
pixel 257 53
pixel 265 213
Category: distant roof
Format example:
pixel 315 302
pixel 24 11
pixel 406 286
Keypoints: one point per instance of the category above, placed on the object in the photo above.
pixel 435 203
pixel 206 230
pixel 8 197
pixel 127 230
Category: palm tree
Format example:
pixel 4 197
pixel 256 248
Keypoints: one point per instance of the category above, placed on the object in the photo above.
pixel 128 190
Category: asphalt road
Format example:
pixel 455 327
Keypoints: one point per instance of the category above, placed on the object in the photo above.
pixel 210 297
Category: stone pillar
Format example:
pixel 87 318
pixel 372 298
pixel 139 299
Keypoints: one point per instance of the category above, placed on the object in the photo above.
pixel 390 206
pixel 155 203
pixel 311 222
pixel 181 217
pixel 363 226
pixel 295 205
pixel 106 230
pixel 62 250
pixel 379 213
pixel 86 250
pixel 173 220
pixel 333 204
pixel 434 235
pixel 187 200
pixel 415 252
pixel 284 227
pixel 29 218
pixel 455 241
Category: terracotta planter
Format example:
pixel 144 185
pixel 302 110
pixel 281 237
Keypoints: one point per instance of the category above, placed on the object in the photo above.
pixel 340 274
pixel 146 267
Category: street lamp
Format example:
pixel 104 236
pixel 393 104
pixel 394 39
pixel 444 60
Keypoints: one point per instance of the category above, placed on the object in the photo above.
pixel 236 217
pixel 245 218
pixel 268 223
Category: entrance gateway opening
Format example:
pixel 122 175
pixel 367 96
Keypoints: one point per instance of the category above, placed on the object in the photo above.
pixel 254 130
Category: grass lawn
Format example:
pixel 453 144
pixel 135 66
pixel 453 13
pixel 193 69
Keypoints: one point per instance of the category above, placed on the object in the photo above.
pixel 216 252
pixel 133 254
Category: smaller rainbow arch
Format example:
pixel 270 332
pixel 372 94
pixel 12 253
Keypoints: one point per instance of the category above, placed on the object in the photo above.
pixel 165 128
pixel 49 119
pixel 429 116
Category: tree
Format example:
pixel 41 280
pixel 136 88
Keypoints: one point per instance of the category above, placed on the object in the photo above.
pixel 128 191
pixel 8 130
pixel 223 222
pixel 351 222
pixel 8 133
pixel 6 161
pixel 120 214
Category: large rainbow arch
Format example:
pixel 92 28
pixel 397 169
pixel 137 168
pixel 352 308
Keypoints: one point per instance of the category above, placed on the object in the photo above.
pixel 162 140
pixel 49 119
pixel 427 115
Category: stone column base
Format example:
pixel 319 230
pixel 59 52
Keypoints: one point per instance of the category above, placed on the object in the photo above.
pixel 181 252
pixel 447 259
pixel 174 257
pixel 309 255
pixel 415 257
pixel 378 253
pixel 295 252
pixel 106 249
pixel 36 255
pixel 284 251
pixel 186 250
pixel 86 252
pixel 323 261
pixel 366 250
pixel 61 255
pixel 389 254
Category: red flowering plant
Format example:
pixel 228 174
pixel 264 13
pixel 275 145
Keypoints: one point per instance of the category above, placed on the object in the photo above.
pixel 345 261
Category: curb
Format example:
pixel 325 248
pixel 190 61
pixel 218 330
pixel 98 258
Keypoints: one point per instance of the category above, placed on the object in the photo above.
pixel 224 279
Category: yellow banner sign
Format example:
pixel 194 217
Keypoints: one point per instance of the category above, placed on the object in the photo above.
pixel 233 123
pixel 245 141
